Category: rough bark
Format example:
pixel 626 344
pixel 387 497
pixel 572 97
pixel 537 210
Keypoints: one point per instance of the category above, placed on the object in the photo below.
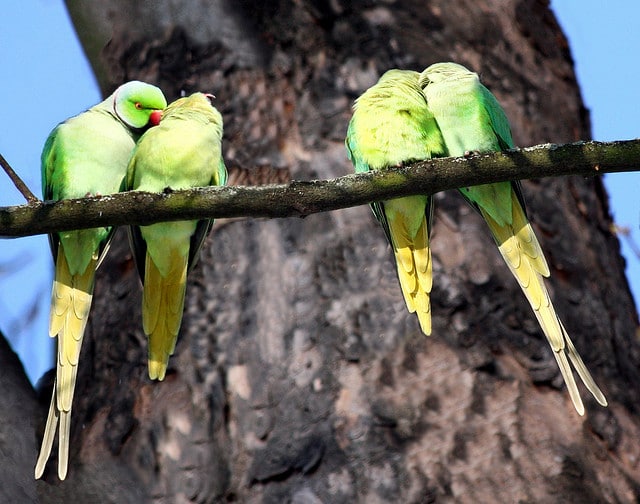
pixel 299 376
pixel 19 417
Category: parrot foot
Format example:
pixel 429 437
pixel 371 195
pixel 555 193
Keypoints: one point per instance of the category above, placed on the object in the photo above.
pixel 470 153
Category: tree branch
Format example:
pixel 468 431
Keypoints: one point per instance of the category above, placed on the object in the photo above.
pixel 301 198
pixel 17 181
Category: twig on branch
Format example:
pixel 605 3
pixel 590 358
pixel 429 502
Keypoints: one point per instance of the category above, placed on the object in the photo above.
pixel 17 181
pixel 625 232
pixel 301 198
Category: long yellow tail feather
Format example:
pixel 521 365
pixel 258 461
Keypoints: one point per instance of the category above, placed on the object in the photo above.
pixel 162 307
pixel 48 437
pixel 582 370
pixel 522 253
pixel 413 259
pixel 70 304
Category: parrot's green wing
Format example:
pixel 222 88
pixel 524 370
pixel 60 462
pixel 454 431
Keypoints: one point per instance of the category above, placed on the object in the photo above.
pixel 360 166
pixel 48 163
pixel 204 226
pixel 497 118
pixel 499 123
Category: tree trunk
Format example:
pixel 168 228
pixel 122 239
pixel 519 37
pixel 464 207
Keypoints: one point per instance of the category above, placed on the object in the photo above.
pixel 299 376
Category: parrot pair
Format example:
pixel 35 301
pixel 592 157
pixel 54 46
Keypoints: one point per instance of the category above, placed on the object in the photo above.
pixel 446 111
pixel 96 153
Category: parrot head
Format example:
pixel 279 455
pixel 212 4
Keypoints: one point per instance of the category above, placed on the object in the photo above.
pixel 197 106
pixel 391 84
pixel 439 72
pixel 138 104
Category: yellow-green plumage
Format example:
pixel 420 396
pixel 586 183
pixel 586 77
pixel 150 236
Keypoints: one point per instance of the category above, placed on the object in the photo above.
pixel 162 306
pixel 392 125
pixel 70 304
pixel 87 154
pixel 413 256
pixel 184 151
pixel 471 120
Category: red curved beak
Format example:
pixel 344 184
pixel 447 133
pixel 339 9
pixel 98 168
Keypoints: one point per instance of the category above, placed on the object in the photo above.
pixel 154 117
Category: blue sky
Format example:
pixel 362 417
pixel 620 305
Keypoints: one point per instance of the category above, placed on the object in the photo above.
pixel 47 79
pixel 604 40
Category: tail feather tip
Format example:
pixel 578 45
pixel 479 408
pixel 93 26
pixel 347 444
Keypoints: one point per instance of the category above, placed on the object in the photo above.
pixel 157 370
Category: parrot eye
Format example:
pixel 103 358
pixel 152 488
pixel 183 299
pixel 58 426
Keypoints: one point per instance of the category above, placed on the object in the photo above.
pixel 138 105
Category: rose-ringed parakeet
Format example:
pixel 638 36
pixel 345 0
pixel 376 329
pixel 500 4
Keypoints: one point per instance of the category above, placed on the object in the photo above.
pixel 471 120
pixel 392 125
pixel 85 155
pixel 184 151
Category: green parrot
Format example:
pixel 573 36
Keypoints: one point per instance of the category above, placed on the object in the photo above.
pixel 184 151
pixel 85 155
pixel 471 120
pixel 392 125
